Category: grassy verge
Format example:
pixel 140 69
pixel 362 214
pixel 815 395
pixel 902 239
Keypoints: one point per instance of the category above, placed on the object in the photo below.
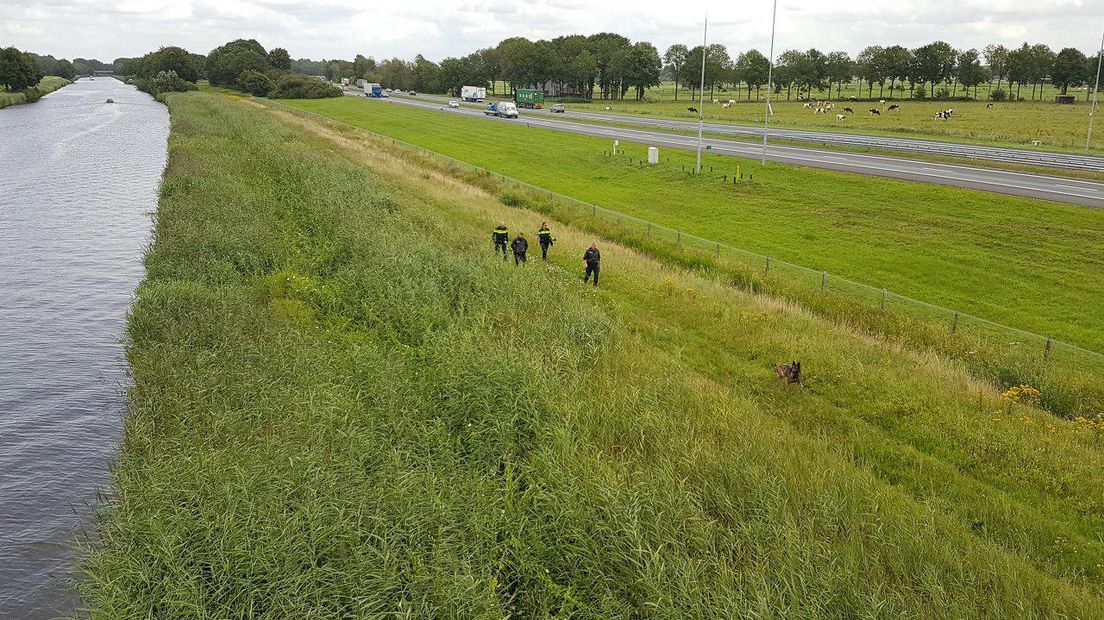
pixel 1057 127
pixel 981 253
pixel 45 86
pixel 345 406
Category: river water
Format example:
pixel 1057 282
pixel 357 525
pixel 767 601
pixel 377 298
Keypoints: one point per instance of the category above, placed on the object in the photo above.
pixel 78 182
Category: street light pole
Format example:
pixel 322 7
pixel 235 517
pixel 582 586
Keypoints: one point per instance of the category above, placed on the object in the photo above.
pixel 1092 110
pixel 701 93
pixel 770 86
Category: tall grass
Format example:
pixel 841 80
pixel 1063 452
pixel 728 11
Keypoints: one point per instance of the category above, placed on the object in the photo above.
pixel 45 86
pixel 947 257
pixel 345 406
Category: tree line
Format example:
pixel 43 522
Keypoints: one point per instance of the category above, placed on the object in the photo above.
pixel 610 66
pixel 242 64
pixel 606 63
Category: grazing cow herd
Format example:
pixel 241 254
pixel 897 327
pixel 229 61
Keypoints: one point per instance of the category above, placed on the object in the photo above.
pixel 825 107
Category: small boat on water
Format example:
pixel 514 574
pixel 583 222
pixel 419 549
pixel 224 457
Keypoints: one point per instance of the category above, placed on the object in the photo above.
pixel 110 101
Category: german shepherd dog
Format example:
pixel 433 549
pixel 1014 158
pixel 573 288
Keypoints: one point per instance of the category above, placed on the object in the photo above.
pixel 790 372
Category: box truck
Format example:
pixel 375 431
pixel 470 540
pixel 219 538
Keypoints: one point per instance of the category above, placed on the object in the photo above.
pixel 529 98
pixel 372 89
pixel 473 93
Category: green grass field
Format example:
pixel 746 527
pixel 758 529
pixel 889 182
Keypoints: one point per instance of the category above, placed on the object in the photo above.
pixel 345 406
pixel 45 86
pixel 1017 124
pixel 1025 263
pixel 1056 127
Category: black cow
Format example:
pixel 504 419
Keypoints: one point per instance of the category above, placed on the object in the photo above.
pixel 875 111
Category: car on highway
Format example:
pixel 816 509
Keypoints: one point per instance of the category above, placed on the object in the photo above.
pixel 412 93
pixel 454 104
pixel 557 108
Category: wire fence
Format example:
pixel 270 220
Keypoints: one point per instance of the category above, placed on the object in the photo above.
pixel 808 283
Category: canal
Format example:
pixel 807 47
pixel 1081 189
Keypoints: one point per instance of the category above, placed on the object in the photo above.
pixel 78 183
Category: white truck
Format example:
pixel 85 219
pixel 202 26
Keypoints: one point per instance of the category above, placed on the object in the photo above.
pixel 473 93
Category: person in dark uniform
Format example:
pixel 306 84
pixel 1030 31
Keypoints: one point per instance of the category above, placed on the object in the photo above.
pixel 546 239
pixel 520 246
pixel 592 259
pixel 501 238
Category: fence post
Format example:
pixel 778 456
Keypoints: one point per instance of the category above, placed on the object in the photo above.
pixel 1049 346
pixel 768 264
pixel 593 211
pixel 954 326
pixel 724 178
pixel 823 280
pixel 649 229
pixel 718 250
pixel 884 293
pixel 678 240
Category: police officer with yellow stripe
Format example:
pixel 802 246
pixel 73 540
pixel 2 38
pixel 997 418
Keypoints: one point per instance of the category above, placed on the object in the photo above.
pixel 546 239
pixel 501 238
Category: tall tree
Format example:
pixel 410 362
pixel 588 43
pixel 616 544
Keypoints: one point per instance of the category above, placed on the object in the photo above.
pixel 175 59
pixel 870 66
pixel 753 68
pixel 934 63
pixel 1069 69
pixel 226 62
pixel 674 59
pixel 897 65
pixel 840 68
pixel 18 71
pixel 996 56
pixel 969 71
pixel 279 58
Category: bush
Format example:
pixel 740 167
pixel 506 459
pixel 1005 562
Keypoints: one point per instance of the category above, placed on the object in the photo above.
pixel 943 93
pixel 920 92
pixel 32 94
pixel 998 95
pixel 255 83
pixel 166 82
pixel 304 87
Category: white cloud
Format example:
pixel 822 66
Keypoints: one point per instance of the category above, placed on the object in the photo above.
pixel 439 28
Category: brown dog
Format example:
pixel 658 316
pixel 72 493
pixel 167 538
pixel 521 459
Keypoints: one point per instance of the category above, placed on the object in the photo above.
pixel 790 372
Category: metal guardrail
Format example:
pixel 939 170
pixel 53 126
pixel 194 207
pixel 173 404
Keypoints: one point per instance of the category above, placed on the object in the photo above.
pixel 1018 341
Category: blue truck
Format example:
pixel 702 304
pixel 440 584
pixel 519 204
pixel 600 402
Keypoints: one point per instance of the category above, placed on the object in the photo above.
pixel 373 90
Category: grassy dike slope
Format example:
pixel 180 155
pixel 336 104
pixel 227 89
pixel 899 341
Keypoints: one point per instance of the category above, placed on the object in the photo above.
pixel 1029 264
pixel 345 406
pixel 45 86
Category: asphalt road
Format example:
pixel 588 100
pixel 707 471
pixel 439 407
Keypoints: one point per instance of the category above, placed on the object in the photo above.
pixel 1068 161
pixel 1059 189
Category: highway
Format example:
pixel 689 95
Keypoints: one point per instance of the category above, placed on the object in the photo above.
pixel 1058 189
pixel 1068 161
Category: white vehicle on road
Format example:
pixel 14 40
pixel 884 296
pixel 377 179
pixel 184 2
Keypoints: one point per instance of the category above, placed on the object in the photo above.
pixel 502 109
pixel 454 104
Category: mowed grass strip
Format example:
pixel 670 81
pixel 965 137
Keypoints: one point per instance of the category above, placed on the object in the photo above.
pixel 346 406
pixel 1025 263
pixel 1016 124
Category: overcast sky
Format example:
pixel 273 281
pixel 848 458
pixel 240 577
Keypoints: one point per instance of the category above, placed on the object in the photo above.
pixel 439 28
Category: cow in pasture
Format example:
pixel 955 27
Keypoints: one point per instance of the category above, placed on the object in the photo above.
pixel 875 112
pixel 694 110
pixel 840 117
pixel 894 107
pixel 849 110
